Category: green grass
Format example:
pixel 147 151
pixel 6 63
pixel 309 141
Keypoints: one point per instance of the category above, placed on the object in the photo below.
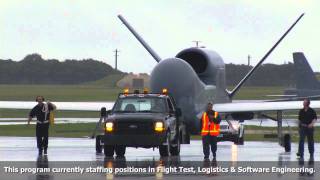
pixel 12 113
pixel 100 91
pixel 258 92
pixel 57 92
pixel 57 130
pixel 109 81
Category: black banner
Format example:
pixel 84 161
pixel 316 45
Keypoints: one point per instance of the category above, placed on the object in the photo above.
pixel 159 169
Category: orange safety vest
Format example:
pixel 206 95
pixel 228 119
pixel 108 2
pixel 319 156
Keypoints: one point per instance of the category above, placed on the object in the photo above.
pixel 209 127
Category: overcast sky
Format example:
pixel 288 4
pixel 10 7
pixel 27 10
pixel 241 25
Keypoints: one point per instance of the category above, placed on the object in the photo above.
pixel 78 29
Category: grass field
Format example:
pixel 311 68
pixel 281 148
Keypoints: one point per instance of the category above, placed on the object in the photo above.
pixel 58 92
pixel 100 91
pixel 253 93
pixel 57 130
pixel 55 93
pixel 11 113
pixel 253 133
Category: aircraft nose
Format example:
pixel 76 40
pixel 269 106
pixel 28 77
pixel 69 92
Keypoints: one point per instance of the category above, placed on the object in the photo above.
pixel 177 76
pixel 182 83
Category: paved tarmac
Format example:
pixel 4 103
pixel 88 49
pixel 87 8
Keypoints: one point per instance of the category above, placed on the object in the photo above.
pixel 83 149
pixel 70 151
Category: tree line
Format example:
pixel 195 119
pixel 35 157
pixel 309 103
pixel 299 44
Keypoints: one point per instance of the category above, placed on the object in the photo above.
pixel 266 75
pixel 33 69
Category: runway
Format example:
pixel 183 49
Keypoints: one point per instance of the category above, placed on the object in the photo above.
pixel 82 151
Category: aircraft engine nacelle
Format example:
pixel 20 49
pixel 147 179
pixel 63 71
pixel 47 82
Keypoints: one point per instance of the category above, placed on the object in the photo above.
pixel 208 64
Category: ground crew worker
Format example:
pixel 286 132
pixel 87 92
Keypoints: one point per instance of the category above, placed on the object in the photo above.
pixel 42 112
pixel 307 119
pixel 210 129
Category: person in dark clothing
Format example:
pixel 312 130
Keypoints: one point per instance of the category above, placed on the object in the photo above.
pixel 42 112
pixel 210 129
pixel 307 119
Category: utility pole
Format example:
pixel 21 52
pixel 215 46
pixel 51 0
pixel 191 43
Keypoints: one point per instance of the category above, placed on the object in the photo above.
pixel 116 59
pixel 249 58
pixel 197 43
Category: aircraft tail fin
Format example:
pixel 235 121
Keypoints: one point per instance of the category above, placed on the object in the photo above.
pixel 235 90
pixel 305 77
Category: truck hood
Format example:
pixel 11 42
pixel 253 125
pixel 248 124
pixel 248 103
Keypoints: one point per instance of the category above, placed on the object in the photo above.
pixel 137 116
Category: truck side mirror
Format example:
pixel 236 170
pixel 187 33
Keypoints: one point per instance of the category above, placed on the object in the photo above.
pixel 103 112
pixel 178 112
pixel 108 112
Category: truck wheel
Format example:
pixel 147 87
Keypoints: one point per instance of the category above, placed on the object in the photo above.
pixel 241 139
pixel 120 151
pixel 235 140
pixel 108 150
pixel 175 150
pixel 164 150
pixel 98 145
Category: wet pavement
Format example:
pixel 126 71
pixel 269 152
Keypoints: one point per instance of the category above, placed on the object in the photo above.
pixel 80 152
pixel 83 149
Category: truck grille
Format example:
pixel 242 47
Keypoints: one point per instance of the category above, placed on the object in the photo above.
pixel 137 128
pixel 224 126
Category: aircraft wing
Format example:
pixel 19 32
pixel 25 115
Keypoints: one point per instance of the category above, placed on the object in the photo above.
pixel 262 106
pixel 222 108
pixel 72 106
pixel 282 95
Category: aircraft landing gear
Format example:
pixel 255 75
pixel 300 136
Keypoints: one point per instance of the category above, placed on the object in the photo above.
pixel 284 140
pixel 287 142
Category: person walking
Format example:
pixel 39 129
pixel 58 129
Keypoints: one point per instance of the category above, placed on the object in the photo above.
pixel 307 119
pixel 210 129
pixel 42 112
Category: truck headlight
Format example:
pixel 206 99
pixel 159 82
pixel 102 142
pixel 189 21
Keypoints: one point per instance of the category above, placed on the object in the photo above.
pixel 159 126
pixel 109 126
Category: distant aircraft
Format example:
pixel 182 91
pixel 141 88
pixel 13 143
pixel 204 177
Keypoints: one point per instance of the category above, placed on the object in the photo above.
pixel 306 82
pixel 194 77
pixel 307 85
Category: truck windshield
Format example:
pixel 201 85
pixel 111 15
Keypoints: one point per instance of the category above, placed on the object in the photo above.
pixel 140 104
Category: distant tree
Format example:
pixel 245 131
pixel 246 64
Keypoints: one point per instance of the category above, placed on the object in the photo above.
pixel 266 75
pixel 33 69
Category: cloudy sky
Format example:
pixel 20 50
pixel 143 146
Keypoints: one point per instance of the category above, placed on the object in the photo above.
pixel 78 29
